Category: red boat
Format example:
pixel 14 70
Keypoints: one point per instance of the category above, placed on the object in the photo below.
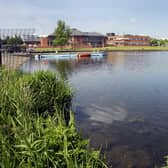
pixel 80 55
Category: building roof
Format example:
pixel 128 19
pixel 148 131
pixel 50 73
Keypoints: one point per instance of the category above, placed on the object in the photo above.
pixel 30 38
pixel 131 35
pixel 76 32
pixel 127 35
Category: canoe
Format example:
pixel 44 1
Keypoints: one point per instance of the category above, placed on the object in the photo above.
pixel 80 55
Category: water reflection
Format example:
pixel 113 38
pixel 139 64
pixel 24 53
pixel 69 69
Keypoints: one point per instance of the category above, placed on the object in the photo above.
pixel 121 103
pixel 65 68
pixel 99 114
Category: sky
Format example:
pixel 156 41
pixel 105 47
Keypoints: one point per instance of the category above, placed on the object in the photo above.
pixel 105 16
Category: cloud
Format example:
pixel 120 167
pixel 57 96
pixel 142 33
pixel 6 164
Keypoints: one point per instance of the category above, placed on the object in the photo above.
pixel 133 20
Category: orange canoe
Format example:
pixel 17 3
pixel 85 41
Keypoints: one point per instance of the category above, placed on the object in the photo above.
pixel 84 55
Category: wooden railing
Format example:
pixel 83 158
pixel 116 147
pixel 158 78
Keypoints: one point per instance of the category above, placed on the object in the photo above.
pixel 11 61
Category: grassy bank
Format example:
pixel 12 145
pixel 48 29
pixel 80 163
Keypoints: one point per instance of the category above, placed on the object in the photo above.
pixel 124 48
pixel 37 129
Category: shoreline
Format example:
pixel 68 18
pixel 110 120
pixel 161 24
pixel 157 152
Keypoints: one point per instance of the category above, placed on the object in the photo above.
pixel 103 49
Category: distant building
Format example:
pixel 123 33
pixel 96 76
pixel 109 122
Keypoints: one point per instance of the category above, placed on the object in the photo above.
pixel 86 39
pixel 78 39
pixel 127 40
pixel 44 41
pixel 31 40
pixel 110 34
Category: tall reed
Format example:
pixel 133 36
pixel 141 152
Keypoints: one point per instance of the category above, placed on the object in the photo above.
pixel 37 127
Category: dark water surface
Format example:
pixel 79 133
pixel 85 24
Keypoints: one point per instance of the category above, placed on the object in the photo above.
pixel 121 104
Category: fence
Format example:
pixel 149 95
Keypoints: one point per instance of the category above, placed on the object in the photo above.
pixel 10 55
pixel 11 60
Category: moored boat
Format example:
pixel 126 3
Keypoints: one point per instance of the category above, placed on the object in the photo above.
pixel 80 55
pixel 56 56
pixel 98 54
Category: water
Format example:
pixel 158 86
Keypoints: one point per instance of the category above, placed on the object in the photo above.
pixel 121 104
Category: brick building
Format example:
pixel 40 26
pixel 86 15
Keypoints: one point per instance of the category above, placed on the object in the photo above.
pixel 86 39
pixel 77 39
pixel 44 41
pixel 127 40
pixel 31 40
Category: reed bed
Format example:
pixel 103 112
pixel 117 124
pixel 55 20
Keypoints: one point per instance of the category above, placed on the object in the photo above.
pixel 37 126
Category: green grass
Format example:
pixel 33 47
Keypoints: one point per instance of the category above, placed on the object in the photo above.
pixel 118 48
pixel 34 131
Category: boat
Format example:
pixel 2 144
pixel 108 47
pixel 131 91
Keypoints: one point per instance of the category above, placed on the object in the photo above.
pixel 81 55
pixel 56 56
pixel 69 56
pixel 98 54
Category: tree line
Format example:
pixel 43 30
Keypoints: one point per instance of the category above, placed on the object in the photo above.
pixel 16 40
pixel 159 42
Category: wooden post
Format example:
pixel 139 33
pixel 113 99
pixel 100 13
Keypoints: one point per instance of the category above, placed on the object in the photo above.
pixel 0 53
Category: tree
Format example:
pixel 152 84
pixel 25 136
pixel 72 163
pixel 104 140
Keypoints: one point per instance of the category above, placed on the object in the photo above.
pixel 162 42
pixel 6 40
pixel 17 40
pixel 13 44
pixel 62 33
pixel 154 42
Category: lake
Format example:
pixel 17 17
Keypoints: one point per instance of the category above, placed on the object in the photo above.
pixel 120 103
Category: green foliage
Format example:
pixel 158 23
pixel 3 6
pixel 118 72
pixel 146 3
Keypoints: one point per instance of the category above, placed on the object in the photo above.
pixel 17 40
pixel 62 33
pixel 30 139
pixel 157 42
pixel 154 42
pixel 48 92
pixel 162 42
pixel 40 93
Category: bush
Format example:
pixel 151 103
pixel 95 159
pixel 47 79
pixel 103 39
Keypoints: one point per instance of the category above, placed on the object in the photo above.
pixel 40 93
pixel 33 131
